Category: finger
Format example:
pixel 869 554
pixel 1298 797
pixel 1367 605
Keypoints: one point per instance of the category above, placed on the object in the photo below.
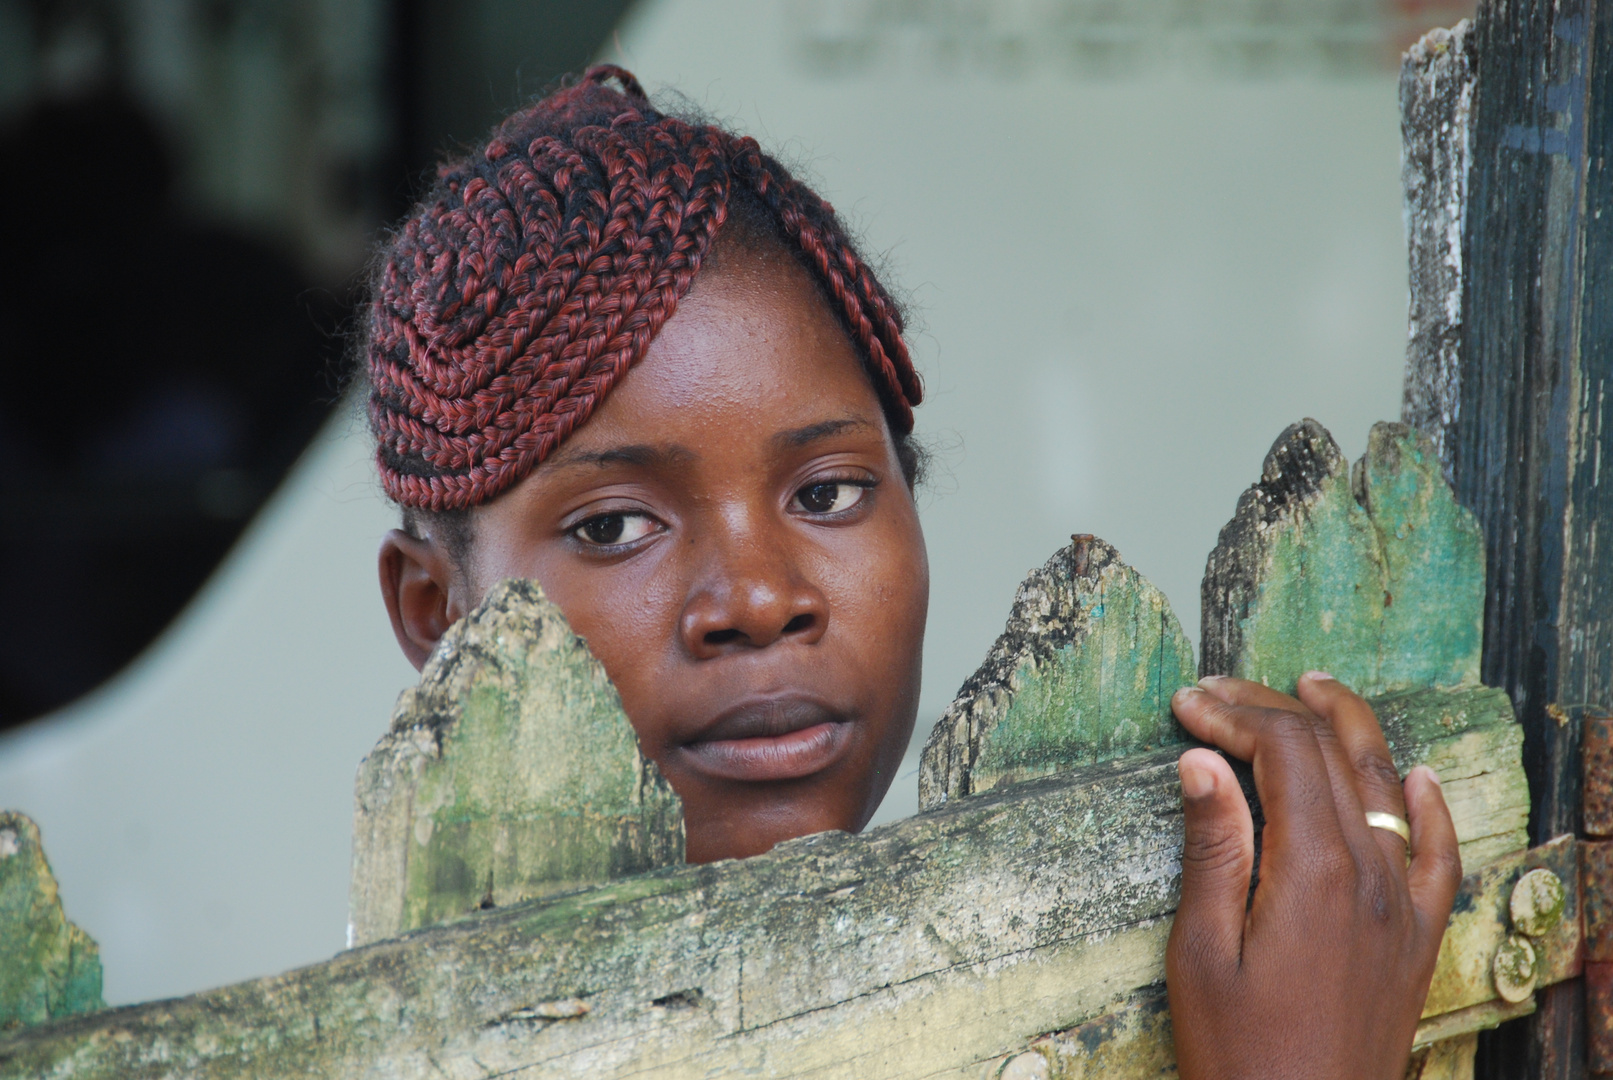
pixel 1236 691
pixel 1247 692
pixel 1203 712
pixel 1292 776
pixel 1365 752
pixel 1436 861
pixel 1218 857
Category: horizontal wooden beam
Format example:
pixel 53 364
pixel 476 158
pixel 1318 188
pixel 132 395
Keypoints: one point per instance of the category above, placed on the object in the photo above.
pixel 929 947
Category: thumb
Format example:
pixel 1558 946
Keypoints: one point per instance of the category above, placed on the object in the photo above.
pixel 1218 855
pixel 1435 872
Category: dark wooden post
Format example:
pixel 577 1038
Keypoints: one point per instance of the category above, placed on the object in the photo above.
pixel 1525 413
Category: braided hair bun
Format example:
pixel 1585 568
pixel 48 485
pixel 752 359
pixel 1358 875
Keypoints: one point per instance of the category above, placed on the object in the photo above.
pixel 536 272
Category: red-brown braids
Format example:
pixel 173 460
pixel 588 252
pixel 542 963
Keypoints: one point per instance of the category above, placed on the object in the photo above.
pixel 537 272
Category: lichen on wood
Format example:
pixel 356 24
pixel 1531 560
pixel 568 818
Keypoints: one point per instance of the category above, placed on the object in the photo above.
pixel 1375 577
pixel 1480 924
pixel 1082 673
pixel 49 968
pixel 934 946
pixel 1022 928
pixel 509 772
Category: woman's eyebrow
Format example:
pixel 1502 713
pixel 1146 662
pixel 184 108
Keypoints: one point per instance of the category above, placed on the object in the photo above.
pixel 802 436
pixel 642 455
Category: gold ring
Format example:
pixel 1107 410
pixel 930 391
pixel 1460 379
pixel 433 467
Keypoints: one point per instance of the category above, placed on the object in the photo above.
pixel 1379 820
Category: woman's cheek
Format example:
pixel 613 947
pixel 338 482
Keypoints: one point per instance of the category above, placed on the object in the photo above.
pixel 886 596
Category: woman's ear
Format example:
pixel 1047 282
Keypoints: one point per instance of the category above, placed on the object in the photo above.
pixel 423 592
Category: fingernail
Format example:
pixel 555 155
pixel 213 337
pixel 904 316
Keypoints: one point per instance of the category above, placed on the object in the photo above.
pixel 1320 676
pixel 1186 692
pixel 1196 783
pixel 1432 775
pixel 1212 680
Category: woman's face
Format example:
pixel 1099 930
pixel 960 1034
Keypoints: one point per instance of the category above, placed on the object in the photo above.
pixel 732 535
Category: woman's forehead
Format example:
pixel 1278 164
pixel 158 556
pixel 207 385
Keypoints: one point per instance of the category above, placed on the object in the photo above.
pixel 752 346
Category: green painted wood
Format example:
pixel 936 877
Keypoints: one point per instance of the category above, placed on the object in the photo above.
pixel 1082 673
pixel 49 968
pixel 936 946
pixel 946 945
pixel 1526 414
pixel 509 772
pixel 1432 554
pixel 1376 577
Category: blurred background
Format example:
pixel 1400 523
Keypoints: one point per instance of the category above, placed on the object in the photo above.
pixel 1138 238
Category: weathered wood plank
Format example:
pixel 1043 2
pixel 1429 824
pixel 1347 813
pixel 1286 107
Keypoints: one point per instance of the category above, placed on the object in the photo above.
pixel 1436 113
pixel 1473 761
pixel 924 948
pixel 944 943
pixel 1530 417
pixel 1082 673
pixel 1449 1060
pixel 1536 417
pixel 1376 577
pixel 1134 1040
pixel 1481 921
pixel 49 968
pixel 509 772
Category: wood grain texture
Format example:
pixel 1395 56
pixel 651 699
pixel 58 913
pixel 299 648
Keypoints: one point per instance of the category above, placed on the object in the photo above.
pixel 1535 423
pixel 509 772
pixel 1083 672
pixel 931 947
pixel 1449 1060
pixel 1022 924
pixel 1532 425
pixel 1375 576
pixel 1436 112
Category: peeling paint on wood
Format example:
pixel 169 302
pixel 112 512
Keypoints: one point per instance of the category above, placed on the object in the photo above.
pixel 1436 113
pixel 1517 392
pixel 1082 673
pixel 49 968
pixel 1481 924
pixel 1376 577
pixel 509 772
pixel 1134 1040
pixel 937 946
pixel 950 944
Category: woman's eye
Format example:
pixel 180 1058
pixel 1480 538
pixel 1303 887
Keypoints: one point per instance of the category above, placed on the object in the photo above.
pixel 830 497
pixel 610 529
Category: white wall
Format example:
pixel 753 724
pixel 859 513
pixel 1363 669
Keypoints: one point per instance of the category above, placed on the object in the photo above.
pixel 1126 288
pixel 197 810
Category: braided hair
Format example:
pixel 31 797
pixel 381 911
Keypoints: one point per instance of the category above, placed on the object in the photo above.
pixel 536 273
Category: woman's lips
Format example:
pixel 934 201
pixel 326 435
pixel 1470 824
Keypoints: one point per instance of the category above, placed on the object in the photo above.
pixel 776 739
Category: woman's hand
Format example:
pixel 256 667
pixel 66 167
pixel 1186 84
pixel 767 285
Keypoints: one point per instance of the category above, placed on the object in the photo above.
pixel 1326 972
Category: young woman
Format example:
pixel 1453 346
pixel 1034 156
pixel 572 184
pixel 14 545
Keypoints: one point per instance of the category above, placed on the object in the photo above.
pixel 631 357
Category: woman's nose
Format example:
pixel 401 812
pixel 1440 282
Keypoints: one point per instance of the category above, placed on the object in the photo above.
pixel 750 595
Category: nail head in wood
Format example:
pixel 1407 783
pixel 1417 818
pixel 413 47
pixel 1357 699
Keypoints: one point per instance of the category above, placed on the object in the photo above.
pixel 1537 902
pixel 1514 969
